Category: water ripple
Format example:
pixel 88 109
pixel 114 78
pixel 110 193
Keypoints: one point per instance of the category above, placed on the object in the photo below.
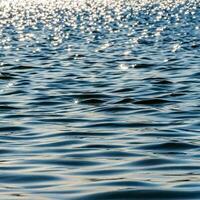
pixel 99 99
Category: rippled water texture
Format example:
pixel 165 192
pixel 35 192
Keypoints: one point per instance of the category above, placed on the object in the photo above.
pixel 99 100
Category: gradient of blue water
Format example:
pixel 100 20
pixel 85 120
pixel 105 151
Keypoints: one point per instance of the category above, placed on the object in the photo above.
pixel 99 99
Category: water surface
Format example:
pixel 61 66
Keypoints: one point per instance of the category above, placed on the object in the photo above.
pixel 99 99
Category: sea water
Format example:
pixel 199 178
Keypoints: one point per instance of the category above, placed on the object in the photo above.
pixel 99 99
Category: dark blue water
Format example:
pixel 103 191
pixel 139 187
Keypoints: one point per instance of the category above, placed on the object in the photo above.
pixel 99 100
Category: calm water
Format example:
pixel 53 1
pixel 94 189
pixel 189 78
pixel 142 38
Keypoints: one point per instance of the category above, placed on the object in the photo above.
pixel 99 100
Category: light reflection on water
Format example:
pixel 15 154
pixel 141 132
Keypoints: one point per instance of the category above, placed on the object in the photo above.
pixel 99 99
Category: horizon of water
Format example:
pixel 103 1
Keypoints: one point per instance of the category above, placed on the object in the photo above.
pixel 99 99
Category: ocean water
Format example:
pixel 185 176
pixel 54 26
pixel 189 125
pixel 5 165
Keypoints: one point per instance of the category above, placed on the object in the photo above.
pixel 99 99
